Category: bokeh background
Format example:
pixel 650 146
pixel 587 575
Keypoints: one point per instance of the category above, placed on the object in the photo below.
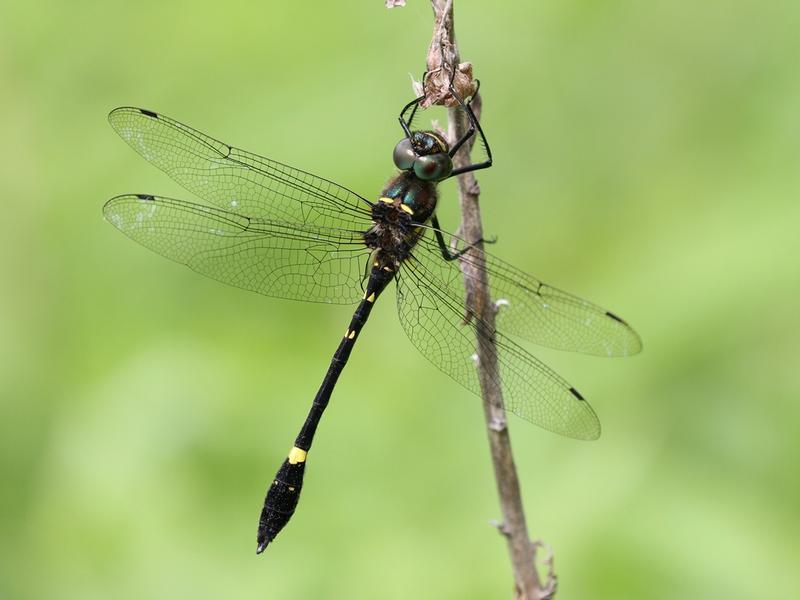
pixel 646 158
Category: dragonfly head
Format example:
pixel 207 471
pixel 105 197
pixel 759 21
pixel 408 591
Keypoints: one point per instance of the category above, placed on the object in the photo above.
pixel 425 153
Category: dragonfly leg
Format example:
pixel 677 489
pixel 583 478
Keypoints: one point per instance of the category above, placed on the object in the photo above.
pixel 447 254
pixel 474 126
pixel 413 105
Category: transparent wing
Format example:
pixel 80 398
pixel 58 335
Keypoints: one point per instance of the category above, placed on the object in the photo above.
pixel 535 311
pixel 235 179
pixel 433 317
pixel 285 260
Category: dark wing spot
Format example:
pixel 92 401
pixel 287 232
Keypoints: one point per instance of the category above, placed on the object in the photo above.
pixel 615 317
pixel 148 113
pixel 577 394
pixel 145 197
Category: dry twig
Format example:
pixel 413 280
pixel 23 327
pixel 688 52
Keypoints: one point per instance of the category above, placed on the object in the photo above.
pixel 443 60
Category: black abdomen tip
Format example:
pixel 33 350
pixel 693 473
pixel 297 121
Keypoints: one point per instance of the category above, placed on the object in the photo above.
pixel 280 503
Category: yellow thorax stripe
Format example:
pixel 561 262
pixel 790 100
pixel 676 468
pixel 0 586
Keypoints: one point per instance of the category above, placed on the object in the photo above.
pixel 403 207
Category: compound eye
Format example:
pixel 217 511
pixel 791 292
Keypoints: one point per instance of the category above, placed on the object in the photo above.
pixel 433 167
pixel 404 155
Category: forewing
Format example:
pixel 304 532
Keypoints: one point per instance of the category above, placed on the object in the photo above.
pixel 535 311
pixel 433 317
pixel 271 257
pixel 235 179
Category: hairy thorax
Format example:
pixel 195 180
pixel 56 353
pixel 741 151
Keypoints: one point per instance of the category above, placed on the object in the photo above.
pixel 405 203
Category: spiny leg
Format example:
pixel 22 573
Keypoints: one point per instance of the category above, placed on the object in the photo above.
pixel 406 123
pixel 447 254
pixel 474 125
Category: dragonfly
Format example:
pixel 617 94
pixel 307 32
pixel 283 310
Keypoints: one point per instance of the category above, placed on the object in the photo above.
pixel 283 232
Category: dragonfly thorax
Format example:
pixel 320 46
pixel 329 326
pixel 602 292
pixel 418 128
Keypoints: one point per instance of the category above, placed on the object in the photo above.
pixel 393 231
pixel 411 195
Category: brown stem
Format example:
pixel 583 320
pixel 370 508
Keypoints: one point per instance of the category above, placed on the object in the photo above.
pixel 443 61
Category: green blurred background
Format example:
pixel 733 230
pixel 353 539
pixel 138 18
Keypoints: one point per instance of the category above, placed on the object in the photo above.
pixel 646 158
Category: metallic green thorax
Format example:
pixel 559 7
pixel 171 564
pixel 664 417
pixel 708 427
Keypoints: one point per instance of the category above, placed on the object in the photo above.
pixel 408 199
pixel 418 195
pixel 406 202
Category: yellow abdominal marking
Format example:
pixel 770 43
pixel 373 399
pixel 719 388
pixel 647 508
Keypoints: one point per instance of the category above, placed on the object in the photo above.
pixel 296 455
pixel 406 208
pixel 352 335
pixel 371 297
